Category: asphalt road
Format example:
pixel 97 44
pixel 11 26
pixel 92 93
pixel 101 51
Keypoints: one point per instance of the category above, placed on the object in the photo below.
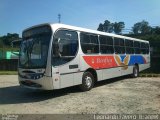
pixel 116 96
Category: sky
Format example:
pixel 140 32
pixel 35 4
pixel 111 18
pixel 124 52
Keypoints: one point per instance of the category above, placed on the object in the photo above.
pixel 17 15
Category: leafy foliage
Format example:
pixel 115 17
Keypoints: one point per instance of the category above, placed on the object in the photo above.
pixel 155 30
pixel 7 39
pixel 111 27
pixel 118 27
pixel 5 44
pixel 141 27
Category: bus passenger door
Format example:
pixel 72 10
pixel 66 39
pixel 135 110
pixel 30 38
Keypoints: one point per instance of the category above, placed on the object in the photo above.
pixel 65 47
pixel 68 73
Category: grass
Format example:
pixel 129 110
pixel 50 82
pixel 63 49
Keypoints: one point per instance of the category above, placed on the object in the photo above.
pixel 8 72
pixel 149 75
pixel 6 48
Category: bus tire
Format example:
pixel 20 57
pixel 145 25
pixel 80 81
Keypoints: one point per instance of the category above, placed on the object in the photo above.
pixel 135 73
pixel 87 81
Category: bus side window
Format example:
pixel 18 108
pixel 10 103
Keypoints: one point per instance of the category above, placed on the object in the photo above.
pixel 56 48
pixel 144 48
pixel 65 46
pixel 137 49
pixel 147 47
pixel 89 43
pixel 106 45
pixel 119 46
pixel 129 46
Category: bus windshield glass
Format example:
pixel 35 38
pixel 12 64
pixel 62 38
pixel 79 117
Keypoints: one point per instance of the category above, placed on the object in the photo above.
pixel 34 48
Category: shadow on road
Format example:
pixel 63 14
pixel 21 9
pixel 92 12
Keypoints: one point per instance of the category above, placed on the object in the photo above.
pixel 16 94
pixel 112 80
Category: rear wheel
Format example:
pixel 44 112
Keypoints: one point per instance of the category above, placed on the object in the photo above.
pixel 87 81
pixel 135 72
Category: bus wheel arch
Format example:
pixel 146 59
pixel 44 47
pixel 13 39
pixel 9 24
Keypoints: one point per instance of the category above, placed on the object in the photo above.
pixel 93 72
pixel 88 79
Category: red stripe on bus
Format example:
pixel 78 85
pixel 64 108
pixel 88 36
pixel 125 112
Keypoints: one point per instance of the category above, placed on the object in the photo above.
pixel 98 62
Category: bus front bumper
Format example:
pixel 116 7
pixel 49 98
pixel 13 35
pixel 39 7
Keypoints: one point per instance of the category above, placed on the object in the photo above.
pixel 44 83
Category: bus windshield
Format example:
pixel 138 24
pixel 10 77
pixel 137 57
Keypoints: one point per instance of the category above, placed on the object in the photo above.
pixel 34 51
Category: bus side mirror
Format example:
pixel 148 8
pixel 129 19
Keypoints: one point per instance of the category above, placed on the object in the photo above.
pixel 57 47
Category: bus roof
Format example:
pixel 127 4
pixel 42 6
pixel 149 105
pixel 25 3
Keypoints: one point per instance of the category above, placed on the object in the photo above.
pixel 56 26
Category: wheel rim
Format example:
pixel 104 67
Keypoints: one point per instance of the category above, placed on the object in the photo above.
pixel 136 72
pixel 88 81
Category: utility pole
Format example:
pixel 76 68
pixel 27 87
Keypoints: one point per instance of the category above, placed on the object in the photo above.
pixel 59 18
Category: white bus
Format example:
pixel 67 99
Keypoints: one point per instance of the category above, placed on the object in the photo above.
pixel 55 56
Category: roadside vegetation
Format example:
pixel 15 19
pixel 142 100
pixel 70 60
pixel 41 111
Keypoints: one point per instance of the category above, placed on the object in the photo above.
pixel 8 72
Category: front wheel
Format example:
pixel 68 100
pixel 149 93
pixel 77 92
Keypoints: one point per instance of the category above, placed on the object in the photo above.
pixel 135 71
pixel 87 81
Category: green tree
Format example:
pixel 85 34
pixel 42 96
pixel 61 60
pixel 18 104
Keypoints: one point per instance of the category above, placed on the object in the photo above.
pixel 156 30
pixel 118 27
pixel 108 26
pixel 111 27
pixel 145 28
pixel 136 28
pixel 141 27
pixel 7 39
pixel 1 42
pixel 100 28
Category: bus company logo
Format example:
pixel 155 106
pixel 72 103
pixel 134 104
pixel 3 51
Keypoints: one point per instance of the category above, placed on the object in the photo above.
pixel 123 61
pixel 99 62
pixel 103 60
